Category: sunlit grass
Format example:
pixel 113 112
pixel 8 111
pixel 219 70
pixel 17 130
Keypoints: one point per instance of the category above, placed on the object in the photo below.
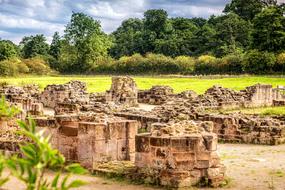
pixel 102 83
pixel 260 111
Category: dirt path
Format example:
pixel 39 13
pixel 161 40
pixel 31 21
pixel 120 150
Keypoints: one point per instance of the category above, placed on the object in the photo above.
pixel 250 167
pixel 254 166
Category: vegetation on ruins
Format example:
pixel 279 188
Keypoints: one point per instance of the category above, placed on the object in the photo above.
pixel 35 158
pixel 160 44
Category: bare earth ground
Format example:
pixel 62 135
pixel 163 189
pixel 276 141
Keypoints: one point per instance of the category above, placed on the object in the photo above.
pixel 249 167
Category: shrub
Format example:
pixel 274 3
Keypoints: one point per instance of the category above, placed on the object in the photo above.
pixel 23 68
pixel 186 64
pixel 258 62
pixel 206 64
pixel 8 68
pixel 37 65
pixel 102 65
pixel 280 62
pixel 161 64
pixel 132 64
pixel 232 64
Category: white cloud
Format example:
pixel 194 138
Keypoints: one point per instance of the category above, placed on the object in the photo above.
pixel 26 17
pixel 105 10
pixel 16 22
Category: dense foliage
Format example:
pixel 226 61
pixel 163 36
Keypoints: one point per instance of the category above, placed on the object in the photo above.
pixel 229 43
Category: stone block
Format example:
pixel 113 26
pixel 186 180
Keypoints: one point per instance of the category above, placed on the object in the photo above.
pixel 158 141
pixel 68 131
pixel 142 143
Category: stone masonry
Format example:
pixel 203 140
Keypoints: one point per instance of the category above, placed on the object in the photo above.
pixel 183 158
pixel 72 92
pixel 123 91
pixel 240 128
pixel 157 95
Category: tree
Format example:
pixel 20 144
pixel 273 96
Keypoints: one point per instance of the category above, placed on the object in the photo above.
pixel 55 46
pixel 269 30
pixel 54 51
pixel 268 3
pixel 233 33
pixel 246 9
pixel 155 20
pixel 32 46
pixel 178 41
pixel 199 22
pixel 7 50
pixel 204 40
pixel 156 27
pixel 80 34
pixel 127 38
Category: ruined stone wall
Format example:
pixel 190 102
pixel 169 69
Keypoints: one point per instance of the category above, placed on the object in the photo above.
pixel 157 95
pixel 99 142
pixel 144 119
pixel 240 128
pixel 89 138
pixel 73 92
pixel 25 98
pixel 260 95
pixel 254 96
pixel 180 160
pixel 123 91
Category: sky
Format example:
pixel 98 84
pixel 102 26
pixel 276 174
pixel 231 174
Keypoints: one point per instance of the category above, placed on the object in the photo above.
pixel 19 18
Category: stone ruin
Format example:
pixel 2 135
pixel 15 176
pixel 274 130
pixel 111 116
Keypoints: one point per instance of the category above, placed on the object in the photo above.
pixel 123 91
pixel 254 96
pixel 91 139
pixel 25 98
pixel 73 92
pixel 239 128
pixel 157 95
pixel 181 154
pixel 179 141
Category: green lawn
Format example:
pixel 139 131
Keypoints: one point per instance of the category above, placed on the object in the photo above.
pixel 102 83
pixel 259 111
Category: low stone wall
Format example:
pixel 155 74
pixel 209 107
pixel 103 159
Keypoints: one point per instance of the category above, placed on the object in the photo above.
pixel 240 128
pixel 73 92
pixel 144 121
pixel 91 142
pixel 99 142
pixel 157 95
pixel 180 160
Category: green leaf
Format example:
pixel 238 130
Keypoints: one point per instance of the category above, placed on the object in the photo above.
pixel 76 183
pixel 75 169
pixel 29 152
pixel 55 180
pixel 63 183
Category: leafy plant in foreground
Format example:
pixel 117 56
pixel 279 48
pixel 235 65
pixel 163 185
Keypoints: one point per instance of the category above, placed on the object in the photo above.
pixel 37 157
pixel 6 110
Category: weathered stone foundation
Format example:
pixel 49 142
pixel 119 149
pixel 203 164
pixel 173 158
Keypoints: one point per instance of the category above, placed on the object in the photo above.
pixel 180 160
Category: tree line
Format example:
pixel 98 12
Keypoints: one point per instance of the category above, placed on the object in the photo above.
pixel 249 37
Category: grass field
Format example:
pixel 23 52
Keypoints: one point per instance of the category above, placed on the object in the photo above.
pixel 264 111
pixel 102 83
